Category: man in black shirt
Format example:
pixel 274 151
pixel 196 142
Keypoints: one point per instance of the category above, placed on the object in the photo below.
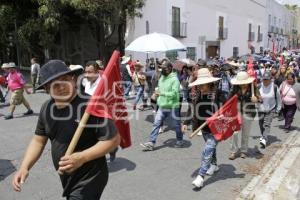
pixel 85 172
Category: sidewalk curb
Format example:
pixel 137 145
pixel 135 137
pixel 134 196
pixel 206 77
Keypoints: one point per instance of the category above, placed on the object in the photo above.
pixel 265 185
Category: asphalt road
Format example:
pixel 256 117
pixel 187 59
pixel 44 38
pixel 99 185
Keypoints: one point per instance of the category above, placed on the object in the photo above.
pixel 165 173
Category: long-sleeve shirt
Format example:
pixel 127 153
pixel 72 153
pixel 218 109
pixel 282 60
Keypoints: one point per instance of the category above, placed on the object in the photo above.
pixel 269 98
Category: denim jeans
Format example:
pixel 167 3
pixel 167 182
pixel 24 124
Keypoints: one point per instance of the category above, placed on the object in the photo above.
pixel 209 153
pixel 140 93
pixel 265 121
pixel 127 87
pixel 161 115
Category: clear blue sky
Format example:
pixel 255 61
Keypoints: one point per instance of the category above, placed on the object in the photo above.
pixel 297 2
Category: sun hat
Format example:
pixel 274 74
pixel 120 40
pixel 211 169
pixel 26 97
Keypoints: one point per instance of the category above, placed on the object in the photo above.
pixel 242 78
pixel 5 66
pixel 12 65
pixel 125 60
pixel 52 70
pixel 203 76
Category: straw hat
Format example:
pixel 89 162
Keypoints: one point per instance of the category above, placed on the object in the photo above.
pixel 242 78
pixel 204 76
pixel 5 66
pixel 125 60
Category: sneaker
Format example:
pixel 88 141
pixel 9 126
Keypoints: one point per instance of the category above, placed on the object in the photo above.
pixel 160 130
pixel 148 146
pixel 263 142
pixel 212 170
pixel 10 116
pixel 198 182
pixel 179 144
pixel 232 156
pixel 244 155
pixel 29 112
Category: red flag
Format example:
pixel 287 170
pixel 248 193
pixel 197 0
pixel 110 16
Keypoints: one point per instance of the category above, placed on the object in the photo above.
pixel 108 100
pixel 225 121
pixel 250 68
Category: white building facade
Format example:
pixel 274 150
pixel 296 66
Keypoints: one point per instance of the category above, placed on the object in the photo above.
pixel 222 28
pixel 281 27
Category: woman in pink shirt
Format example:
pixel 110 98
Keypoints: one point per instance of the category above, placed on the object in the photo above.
pixel 289 91
pixel 16 84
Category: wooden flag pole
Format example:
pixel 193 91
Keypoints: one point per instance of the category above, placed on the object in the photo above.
pixel 197 130
pixel 252 89
pixel 78 133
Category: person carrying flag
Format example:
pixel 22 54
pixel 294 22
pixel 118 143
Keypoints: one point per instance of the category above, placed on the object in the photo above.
pixel 84 173
pixel 206 103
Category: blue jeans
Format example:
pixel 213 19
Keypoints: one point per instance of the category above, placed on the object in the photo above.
pixel 127 87
pixel 140 94
pixel 209 153
pixel 161 115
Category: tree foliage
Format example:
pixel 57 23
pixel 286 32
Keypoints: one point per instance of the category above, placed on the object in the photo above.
pixel 36 23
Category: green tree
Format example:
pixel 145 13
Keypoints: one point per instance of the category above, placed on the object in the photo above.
pixel 36 23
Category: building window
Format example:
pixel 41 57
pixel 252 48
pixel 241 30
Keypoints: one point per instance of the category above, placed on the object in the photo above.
pixel 250 32
pixel 176 21
pixel 191 53
pixel 270 22
pixel 235 52
pixel 222 31
pixel 147 27
pixel 172 55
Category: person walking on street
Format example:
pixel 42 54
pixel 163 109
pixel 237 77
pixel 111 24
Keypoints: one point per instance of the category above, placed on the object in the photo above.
pixel 246 107
pixel 271 103
pixel 126 76
pixel 16 84
pixel 290 95
pixel 35 71
pixel 139 80
pixel 168 103
pixel 206 103
pixel 84 174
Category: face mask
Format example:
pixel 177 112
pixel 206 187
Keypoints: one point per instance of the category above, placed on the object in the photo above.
pixel 164 73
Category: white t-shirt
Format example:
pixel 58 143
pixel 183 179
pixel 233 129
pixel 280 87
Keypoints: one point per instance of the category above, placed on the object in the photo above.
pixel 35 69
pixel 89 88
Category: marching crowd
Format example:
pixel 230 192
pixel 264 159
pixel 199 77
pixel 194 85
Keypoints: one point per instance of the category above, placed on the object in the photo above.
pixel 265 88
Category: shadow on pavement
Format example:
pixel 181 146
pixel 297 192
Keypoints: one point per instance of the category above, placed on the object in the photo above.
pixel 6 168
pixel 120 164
pixel 271 139
pixel 23 116
pixel 226 171
pixel 170 143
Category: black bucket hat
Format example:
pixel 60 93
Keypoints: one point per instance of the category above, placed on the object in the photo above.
pixel 52 70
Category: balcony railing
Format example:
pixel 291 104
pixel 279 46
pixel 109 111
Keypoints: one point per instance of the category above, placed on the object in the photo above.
pixel 179 29
pixel 251 36
pixel 259 37
pixel 223 33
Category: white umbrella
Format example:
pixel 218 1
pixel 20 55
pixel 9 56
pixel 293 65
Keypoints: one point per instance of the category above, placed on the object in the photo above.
pixel 155 42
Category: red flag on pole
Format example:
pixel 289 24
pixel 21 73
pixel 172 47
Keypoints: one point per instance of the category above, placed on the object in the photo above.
pixel 225 121
pixel 108 100
pixel 274 49
pixel 250 68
